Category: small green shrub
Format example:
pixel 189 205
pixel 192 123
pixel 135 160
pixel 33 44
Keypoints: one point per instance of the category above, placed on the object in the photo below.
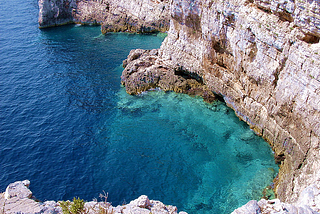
pixel 65 206
pixel 74 207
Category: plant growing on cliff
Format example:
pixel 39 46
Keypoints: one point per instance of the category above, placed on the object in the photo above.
pixel 104 209
pixel 74 207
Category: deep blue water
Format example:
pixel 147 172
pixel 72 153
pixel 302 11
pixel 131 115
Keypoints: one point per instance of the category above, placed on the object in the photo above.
pixel 68 126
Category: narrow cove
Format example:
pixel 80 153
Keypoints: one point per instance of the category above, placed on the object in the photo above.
pixel 78 133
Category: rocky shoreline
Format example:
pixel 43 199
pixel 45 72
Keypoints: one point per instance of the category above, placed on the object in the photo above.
pixel 19 199
pixel 261 56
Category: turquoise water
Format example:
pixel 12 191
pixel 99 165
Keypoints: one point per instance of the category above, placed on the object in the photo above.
pixel 68 126
pixel 196 155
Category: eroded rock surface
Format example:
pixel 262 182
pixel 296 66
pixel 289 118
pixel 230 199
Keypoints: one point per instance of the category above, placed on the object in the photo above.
pixel 144 70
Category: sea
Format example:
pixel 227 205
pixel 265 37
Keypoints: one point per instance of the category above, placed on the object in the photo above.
pixel 68 126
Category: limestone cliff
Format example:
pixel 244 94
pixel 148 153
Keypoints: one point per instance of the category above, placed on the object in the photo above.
pixel 144 16
pixel 262 56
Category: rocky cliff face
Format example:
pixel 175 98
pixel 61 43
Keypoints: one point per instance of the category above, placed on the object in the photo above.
pixel 53 13
pixel 262 56
pixel 144 16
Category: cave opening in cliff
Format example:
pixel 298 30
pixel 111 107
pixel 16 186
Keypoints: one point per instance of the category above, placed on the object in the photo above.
pixel 180 71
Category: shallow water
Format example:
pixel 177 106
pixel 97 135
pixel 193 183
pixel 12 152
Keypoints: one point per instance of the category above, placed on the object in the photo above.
pixel 68 126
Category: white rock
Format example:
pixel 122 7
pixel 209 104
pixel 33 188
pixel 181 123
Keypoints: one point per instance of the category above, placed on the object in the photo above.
pixel 18 189
pixel 135 210
pixel 142 202
pixel 251 207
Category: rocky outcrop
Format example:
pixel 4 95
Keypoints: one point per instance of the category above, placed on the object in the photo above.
pixel 18 199
pixel 308 202
pixel 18 189
pixel 272 206
pixel 54 13
pixel 144 70
pixel 144 16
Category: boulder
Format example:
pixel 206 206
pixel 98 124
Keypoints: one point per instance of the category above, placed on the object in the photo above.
pixel 142 202
pixel 18 189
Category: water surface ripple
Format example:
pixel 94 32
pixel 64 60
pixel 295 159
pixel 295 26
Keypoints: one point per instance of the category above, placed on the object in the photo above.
pixel 67 125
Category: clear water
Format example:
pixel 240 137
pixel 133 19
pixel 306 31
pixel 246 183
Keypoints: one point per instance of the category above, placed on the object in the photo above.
pixel 68 126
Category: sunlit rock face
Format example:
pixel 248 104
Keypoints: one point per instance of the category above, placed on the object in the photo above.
pixel 263 57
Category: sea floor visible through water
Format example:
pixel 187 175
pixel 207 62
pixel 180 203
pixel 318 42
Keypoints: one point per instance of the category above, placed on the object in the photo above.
pixel 70 128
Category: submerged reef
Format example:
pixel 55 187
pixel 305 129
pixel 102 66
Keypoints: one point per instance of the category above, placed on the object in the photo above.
pixel 262 57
